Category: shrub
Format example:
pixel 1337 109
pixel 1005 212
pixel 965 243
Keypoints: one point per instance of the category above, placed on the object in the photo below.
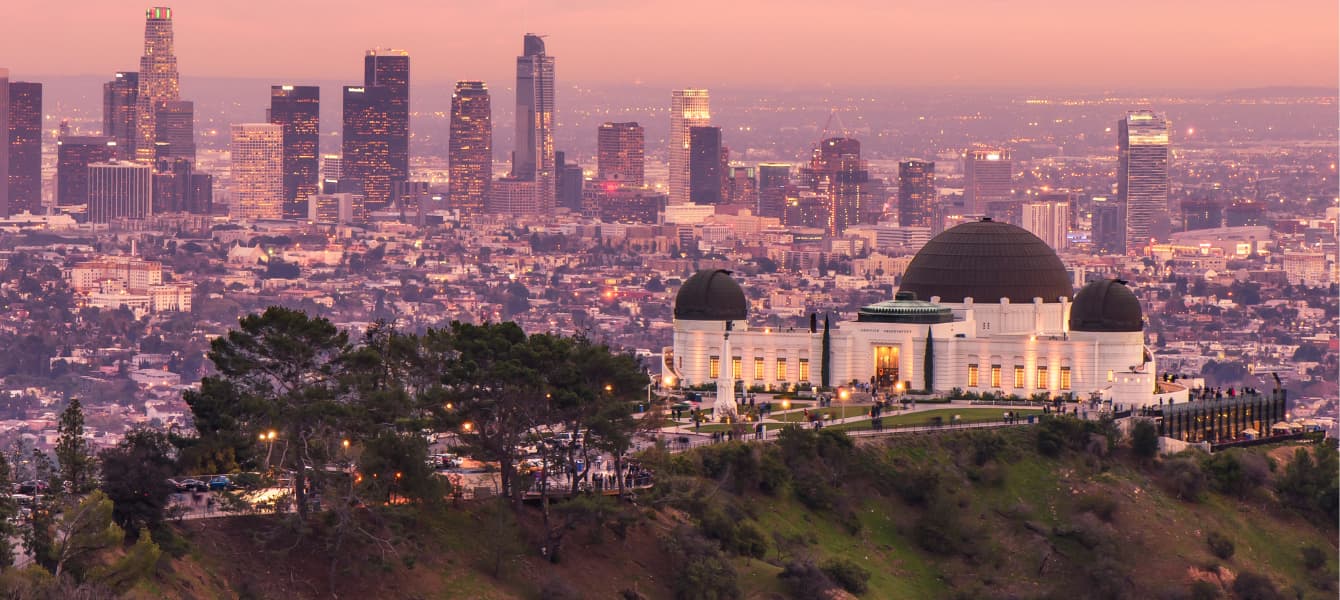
pixel 1204 590
pixel 1313 558
pixel 1184 478
pixel 1101 506
pixel 1251 586
pixel 701 572
pixel 1236 472
pixel 919 484
pixel 1220 545
pixel 1145 439
pixel 805 580
pixel 846 573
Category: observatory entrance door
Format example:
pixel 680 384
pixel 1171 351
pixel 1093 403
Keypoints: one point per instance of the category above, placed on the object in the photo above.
pixel 886 366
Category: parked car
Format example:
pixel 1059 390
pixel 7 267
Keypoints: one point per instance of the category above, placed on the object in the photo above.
pixel 32 487
pixel 192 485
pixel 220 483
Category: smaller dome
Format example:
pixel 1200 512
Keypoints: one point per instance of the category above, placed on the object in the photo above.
pixel 1106 305
pixel 711 295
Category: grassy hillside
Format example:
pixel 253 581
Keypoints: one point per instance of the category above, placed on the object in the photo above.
pixel 971 514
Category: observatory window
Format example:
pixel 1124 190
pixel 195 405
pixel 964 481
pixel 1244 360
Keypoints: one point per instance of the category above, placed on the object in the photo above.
pixel 1065 378
pixel 972 375
pixel 804 369
pixel 781 369
pixel 1019 376
pixel 995 376
pixel 714 367
pixel 758 367
pixel 1043 383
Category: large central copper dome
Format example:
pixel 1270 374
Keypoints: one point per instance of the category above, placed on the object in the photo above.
pixel 986 261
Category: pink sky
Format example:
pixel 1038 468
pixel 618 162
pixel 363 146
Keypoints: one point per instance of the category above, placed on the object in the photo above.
pixel 1214 44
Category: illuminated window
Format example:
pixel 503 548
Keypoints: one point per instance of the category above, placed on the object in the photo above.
pixel 736 367
pixel 1043 384
pixel 713 367
pixel 1065 378
pixel 804 369
pixel 1111 376
pixel 1018 376
pixel 972 375
pixel 758 367
pixel 781 369
pixel 995 376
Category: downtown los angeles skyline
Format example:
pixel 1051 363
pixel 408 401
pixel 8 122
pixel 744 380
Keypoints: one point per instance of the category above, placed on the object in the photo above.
pixel 1145 44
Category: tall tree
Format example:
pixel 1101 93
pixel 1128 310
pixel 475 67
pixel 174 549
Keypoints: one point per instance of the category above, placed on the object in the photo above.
pixel 76 461
pixel 85 528
pixel 9 509
pixel 135 477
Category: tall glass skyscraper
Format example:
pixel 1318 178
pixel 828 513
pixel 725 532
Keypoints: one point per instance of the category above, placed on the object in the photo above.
pixel 157 80
pixel 25 147
pixel 390 69
pixel 688 109
pixel 620 149
pixel 367 145
pixel 988 179
pixel 4 148
pixel 258 171
pixel 119 97
pixel 533 158
pixel 297 109
pixel 470 155
pixel 1142 174
pixel 837 172
pixel 916 193
pixel 174 126
pixel 73 156
pixel 705 176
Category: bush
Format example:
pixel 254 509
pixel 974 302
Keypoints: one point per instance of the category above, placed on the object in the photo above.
pixel 805 580
pixel 1184 478
pixel 1251 586
pixel 701 572
pixel 1145 439
pixel 1236 472
pixel 1204 590
pixel 1313 558
pixel 1220 545
pixel 846 573
pixel 1101 506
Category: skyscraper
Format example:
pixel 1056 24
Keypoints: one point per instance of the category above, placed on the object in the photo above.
pixel 1202 213
pixel 533 159
pixel 705 165
pixel 25 148
pixel 1107 226
pixel 916 193
pixel 470 154
pixel 118 111
pixel 119 189
pixel 620 150
pixel 258 171
pixel 73 156
pixel 987 178
pixel 157 79
pixel 174 130
pixel 297 109
pixel 837 172
pixel 772 181
pixel 390 69
pixel 4 148
pixel 1050 221
pixel 568 183
pixel 1142 175
pixel 688 109
pixel 367 147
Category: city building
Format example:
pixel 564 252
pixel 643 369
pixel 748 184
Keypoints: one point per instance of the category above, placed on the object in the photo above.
pixel 1107 226
pixel 25 149
pixel 4 148
pixel 772 181
pixel 838 174
pixel 1142 176
pixel 916 193
pixel 1243 213
pixel 612 203
pixel 331 209
pixel 1050 221
pixel 119 189
pixel 1306 268
pixel 367 150
pixel 297 109
pixel 688 109
pixel 175 130
pixel 1202 213
pixel 258 171
pixel 390 69
pixel 620 154
pixel 157 79
pixel 73 156
pixel 119 97
pixel 988 179
pixel 512 196
pixel 742 185
pixel 705 174
pixel 569 182
pixel 470 155
pixel 533 158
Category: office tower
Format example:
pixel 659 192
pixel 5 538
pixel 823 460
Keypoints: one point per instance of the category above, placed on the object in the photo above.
pixel 297 109
pixel 743 186
pixel 1142 175
pixel 1243 213
pixel 332 167
pixel 838 174
pixel 705 165
pixel 1202 213
pixel 201 199
pixel 772 181
pixel 1050 221
pixel 620 150
pixel 568 182
pixel 119 189
pixel 512 196
pixel 174 127
pixel 176 187
pixel 4 148
pixel 331 209
pixel 118 111
pixel 533 159
pixel 987 179
pixel 367 148
pixel 390 69
pixel 258 171
pixel 157 80
pixel 688 109
pixel 73 156
pixel 25 148
pixel 470 154
pixel 1107 226
pixel 916 193
pixel 623 204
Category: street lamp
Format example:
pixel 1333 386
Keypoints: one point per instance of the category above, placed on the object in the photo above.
pixel 467 426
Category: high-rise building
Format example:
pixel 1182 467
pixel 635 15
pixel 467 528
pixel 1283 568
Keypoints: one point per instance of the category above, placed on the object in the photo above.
pixel 838 174
pixel 743 186
pixel 1202 213
pixel 390 69
pixel 772 181
pixel 512 196
pixel 4 148
pixel 533 159
pixel 470 155
pixel 688 109
pixel 174 130
pixel 119 97
pixel 258 171
pixel 620 149
pixel 297 109
pixel 1142 175
pixel 367 148
pixel 201 199
pixel 1243 213
pixel 119 189
pixel 25 148
pixel 916 193
pixel 157 80
pixel 568 183
pixel 1107 226
pixel 73 156
pixel 987 178
pixel 173 186
pixel 705 165
pixel 332 167
pixel 1050 221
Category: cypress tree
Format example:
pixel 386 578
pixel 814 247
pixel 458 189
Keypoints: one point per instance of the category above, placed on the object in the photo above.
pixel 928 365
pixel 826 371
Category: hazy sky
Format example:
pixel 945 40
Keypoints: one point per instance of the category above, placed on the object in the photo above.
pixel 1121 44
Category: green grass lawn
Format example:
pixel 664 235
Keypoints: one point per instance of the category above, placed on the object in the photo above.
pixel 966 415
pixel 839 412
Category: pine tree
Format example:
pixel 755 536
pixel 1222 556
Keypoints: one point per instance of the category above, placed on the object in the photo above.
pixel 76 462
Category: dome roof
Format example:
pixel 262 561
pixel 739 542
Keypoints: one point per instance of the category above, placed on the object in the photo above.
pixel 1106 305
pixel 905 308
pixel 711 295
pixel 986 261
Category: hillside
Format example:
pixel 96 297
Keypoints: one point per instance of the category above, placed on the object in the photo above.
pixel 952 515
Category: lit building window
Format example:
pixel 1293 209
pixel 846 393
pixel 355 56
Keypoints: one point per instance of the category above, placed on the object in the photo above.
pixel 713 367
pixel 1019 376
pixel 995 376
pixel 736 367
pixel 972 375
pixel 1043 384
pixel 1111 376
pixel 1065 378
pixel 804 369
pixel 758 367
pixel 781 369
